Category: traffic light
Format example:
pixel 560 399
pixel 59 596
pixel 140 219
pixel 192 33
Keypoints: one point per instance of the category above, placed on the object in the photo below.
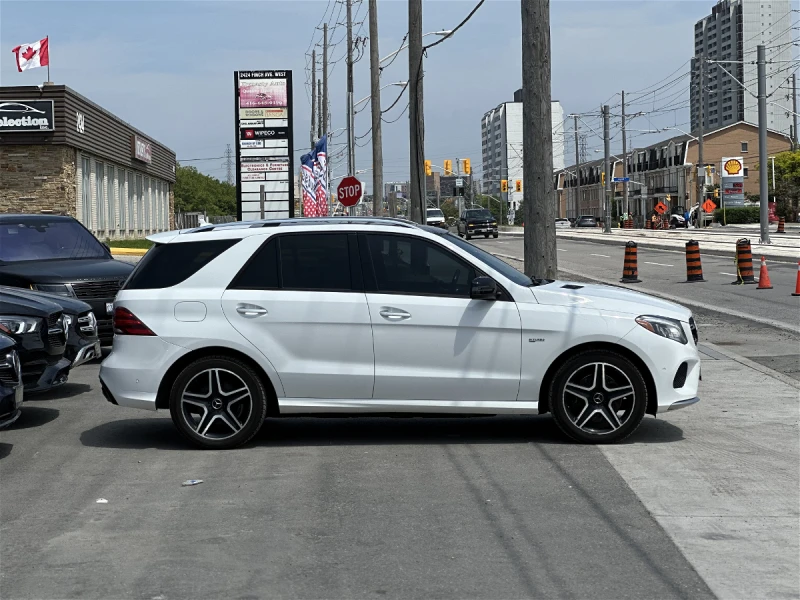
pixel 708 170
pixel 448 168
pixel 518 185
pixel 504 185
pixel 716 192
pixel 602 178
pixel 467 167
pixel 428 168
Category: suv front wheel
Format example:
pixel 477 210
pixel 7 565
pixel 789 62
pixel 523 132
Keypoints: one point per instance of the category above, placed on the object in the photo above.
pixel 598 396
pixel 218 402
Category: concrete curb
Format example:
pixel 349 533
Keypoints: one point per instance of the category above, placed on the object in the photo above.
pixel 675 299
pixel 647 244
pixel 128 251
pixel 742 360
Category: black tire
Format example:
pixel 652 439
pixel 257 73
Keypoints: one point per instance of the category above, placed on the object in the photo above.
pixel 495 235
pixel 467 236
pixel 230 373
pixel 486 235
pixel 598 428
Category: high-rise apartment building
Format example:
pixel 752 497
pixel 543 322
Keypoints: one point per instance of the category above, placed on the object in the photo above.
pixel 731 33
pixel 501 136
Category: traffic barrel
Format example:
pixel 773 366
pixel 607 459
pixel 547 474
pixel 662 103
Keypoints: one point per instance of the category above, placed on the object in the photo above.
pixel 647 224
pixel 797 285
pixel 781 225
pixel 744 263
pixel 694 267
pixel 763 276
pixel 630 268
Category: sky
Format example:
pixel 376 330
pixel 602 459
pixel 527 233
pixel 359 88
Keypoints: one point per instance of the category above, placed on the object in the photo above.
pixel 167 67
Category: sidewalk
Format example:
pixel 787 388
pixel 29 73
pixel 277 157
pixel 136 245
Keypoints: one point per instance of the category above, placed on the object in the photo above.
pixel 721 477
pixel 713 241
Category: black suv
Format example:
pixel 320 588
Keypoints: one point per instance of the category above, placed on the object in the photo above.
pixel 10 382
pixel 38 327
pixel 58 255
pixel 477 221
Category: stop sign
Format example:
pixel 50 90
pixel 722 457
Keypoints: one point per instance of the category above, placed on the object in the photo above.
pixel 349 191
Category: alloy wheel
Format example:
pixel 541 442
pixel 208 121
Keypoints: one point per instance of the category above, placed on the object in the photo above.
pixel 599 398
pixel 216 404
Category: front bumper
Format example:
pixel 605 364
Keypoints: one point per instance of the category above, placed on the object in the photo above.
pixel 90 351
pixel 482 229
pixel 10 403
pixel 52 376
pixel 683 403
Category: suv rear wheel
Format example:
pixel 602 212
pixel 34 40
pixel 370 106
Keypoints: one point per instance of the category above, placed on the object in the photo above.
pixel 598 396
pixel 218 403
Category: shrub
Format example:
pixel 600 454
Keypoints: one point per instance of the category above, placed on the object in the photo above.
pixel 738 215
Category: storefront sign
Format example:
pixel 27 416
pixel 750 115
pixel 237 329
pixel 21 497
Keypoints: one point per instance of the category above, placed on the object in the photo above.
pixel 142 149
pixel 26 115
pixel 263 113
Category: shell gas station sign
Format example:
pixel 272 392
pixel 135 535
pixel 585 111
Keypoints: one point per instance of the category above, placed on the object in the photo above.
pixel 732 181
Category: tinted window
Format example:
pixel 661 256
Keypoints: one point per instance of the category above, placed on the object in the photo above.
pixel 409 265
pixel 315 261
pixel 261 273
pixel 38 238
pixel 489 259
pixel 478 214
pixel 435 212
pixel 166 265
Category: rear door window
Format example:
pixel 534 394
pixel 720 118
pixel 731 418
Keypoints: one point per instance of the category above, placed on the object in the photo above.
pixel 166 265
pixel 315 261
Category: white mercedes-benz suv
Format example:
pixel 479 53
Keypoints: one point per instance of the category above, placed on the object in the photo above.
pixel 225 325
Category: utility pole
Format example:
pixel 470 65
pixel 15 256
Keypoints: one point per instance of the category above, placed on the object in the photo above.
pixel 537 142
pixel 375 90
pixel 700 187
pixel 794 108
pixel 416 122
pixel 319 109
pixel 324 107
pixel 577 171
pixel 761 64
pixel 607 168
pixel 313 95
pixel 351 146
pixel 228 164
pixel 624 159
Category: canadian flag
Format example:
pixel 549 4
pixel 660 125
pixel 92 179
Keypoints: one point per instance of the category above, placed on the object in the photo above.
pixel 30 56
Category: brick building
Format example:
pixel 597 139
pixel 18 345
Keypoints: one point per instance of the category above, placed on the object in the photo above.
pixel 60 152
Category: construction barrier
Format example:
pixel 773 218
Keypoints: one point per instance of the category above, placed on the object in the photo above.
pixel 627 224
pixel 647 224
pixel 763 276
pixel 694 267
pixel 744 263
pixel 630 267
pixel 797 285
pixel 781 225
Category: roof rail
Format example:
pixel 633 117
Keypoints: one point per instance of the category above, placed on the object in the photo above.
pixel 396 222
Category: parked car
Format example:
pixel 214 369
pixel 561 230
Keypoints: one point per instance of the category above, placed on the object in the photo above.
pixel 227 326
pixel 38 327
pixel 435 218
pixel 10 381
pixel 83 343
pixel 586 221
pixel 58 255
pixel 477 221
pixel 563 224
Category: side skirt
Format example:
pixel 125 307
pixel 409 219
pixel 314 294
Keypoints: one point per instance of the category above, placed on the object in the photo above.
pixel 312 406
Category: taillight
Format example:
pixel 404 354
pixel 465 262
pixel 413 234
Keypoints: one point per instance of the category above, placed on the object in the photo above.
pixel 127 323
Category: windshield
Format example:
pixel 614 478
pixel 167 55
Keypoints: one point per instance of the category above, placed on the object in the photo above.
pixel 41 239
pixel 498 265
pixel 479 214
pixel 435 212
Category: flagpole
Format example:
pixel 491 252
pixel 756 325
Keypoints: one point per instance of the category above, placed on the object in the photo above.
pixel 47 37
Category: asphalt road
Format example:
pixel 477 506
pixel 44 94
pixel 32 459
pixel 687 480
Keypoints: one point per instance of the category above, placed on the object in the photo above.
pixel 334 508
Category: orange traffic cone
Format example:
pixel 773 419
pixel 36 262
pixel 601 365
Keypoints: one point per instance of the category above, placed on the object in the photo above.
pixel 797 285
pixel 763 277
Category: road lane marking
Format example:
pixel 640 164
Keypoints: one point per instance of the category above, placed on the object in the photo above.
pixel 658 264
pixel 729 274
pixel 562 250
pixel 603 255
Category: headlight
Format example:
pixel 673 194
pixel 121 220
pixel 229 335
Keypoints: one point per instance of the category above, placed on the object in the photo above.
pixel 56 288
pixel 668 328
pixel 494 222
pixel 18 325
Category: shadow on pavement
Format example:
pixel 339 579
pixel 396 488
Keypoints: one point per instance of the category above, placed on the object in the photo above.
pixel 313 431
pixel 68 390
pixel 34 416
pixel 5 450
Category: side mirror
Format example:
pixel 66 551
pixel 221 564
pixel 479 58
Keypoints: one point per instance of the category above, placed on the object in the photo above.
pixel 483 288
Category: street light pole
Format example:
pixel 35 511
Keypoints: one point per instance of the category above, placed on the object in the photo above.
pixel 761 64
pixel 607 168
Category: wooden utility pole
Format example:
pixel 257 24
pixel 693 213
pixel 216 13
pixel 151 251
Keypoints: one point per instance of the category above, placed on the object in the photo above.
pixel 324 107
pixel 416 121
pixel 319 109
pixel 794 108
pixel 351 144
pixel 578 207
pixel 537 142
pixel 313 95
pixel 375 90
pixel 624 159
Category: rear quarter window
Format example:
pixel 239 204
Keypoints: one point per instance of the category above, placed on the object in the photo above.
pixel 166 265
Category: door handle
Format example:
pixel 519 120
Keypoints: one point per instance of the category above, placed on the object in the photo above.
pixel 394 314
pixel 251 310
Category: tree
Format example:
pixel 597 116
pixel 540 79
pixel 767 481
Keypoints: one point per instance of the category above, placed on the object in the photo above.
pixel 787 184
pixel 196 192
